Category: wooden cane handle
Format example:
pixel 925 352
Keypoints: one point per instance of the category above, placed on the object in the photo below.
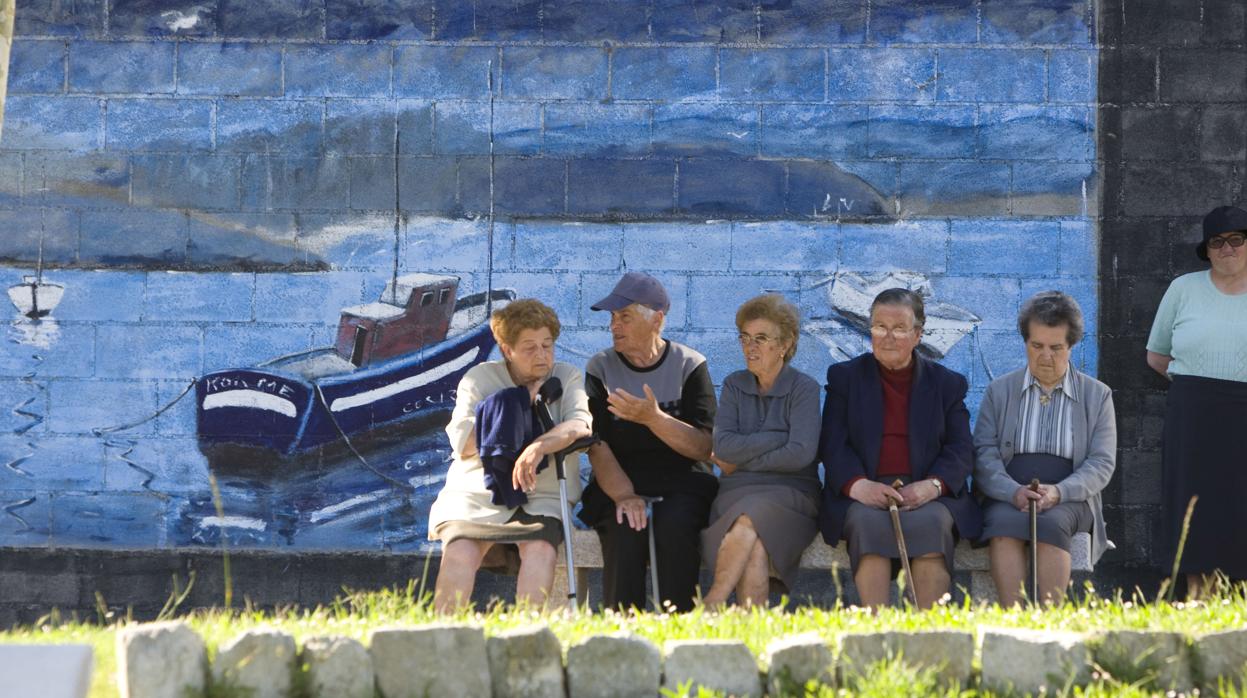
pixel 1034 486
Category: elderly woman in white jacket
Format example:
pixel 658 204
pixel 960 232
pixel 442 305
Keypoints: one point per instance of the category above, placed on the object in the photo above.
pixel 1052 423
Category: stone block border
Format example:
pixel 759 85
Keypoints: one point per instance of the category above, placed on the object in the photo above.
pixel 168 660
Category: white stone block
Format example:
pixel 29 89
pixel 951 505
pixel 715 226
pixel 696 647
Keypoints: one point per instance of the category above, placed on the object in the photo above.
pixel 1221 655
pixel 258 661
pixel 613 666
pixel 525 663
pixel 721 665
pixel 794 661
pixel 338 667
pixel 1032 660
pixel 433 660
pixel 47 671
pixel 160 660
pixel 1163 659
pixel 949 651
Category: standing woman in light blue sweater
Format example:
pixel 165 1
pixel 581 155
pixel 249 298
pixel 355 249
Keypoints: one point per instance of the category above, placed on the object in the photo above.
pixel 766 445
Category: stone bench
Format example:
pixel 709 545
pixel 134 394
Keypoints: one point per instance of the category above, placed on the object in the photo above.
pixel 819 556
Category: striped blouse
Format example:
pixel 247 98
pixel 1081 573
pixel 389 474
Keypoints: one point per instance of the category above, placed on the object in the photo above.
pixel 1045 424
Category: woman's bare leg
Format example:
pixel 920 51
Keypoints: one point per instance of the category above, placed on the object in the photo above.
pixel 873 578
pixel 1008 565
pixel 456 574
pixel 532 587
pixel 754 587
pixel 733 557
pixel 931 579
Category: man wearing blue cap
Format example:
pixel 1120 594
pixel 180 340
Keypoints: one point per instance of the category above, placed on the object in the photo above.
pixel 653 408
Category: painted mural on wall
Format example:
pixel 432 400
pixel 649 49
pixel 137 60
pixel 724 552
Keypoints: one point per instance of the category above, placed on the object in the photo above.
pixel 268 225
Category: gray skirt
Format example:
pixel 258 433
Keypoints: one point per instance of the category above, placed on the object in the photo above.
pixel 503 556
pixel 1055 526
pixel 785 518
pixel 928 529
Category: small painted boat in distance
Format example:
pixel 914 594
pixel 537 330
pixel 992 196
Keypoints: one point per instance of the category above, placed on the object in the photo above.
pixel 393 360
pixel 34 297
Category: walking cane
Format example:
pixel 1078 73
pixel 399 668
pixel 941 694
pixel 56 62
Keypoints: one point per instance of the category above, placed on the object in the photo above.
pixel 900 544
pixel 653 551
pixel 1034 515
pixel 551 391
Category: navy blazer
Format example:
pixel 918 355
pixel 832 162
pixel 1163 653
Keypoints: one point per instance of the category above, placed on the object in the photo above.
pixel 939 437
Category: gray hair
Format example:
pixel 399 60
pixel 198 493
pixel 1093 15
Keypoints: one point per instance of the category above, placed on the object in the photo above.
pixel 905 297
pixel 1053 309
pixel 648 313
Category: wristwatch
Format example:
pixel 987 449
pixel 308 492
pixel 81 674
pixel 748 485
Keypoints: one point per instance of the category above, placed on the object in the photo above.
pixel 939 489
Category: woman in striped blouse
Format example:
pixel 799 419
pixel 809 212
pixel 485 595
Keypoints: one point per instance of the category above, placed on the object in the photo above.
pixel 1048 422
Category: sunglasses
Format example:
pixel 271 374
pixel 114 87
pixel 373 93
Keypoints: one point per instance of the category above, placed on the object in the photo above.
pixel 1233 239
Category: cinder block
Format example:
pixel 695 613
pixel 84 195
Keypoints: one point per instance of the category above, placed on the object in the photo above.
pixel 1175 190
pixel 870 74
pixel 237 69
pixel 200 181
pixel 489 20
pixel 170 465
pixel 613 187
pixel 233 345
pixel 297 183
pixel 456 246
pixel 59 230
pixel 463 128
pixel 784 245
pixel 108 519
pixel 521 186
pixel 160 660
pixel 269 126
pixel 51 462
pixel 954 188
pixel 946 131
pixel 36 66
pixel 102 297
pixel 1031 660
pixel 148 351
pixel 677 247
pixel 158 125
pixel 805 131
pixel 824 189
pixel 272 19
pixel 121 67
pixel 719 665
pixel 1127 74
pixel 525 662
pixel 177 18
pixel 1073 76
pixel 729 292
pixel 976 247
pixel 1161 23
pixel 372 182
pixel 1185 77
pixel 731 187
pixel 366 127
pixel 706 130
pixel 429 185
pixel 369 20
pixel 567 246
pixel 913 245
pixel 667 74
pixel 257 661
pixel 338 70
pixel 433 659
pixel 1223 133
pixel 945 21
pixel 43 589
pixel 613 666
pixel 415 126
pixel 446 71
pixel 602 129
pixel 134 236
pixel 802 21
pixel 595 21
pixel 28 123
pixel 992 75
pixel 1032 132
pixel 1161 132
pixel 69 178
pixel 558 290
pixel 1053 189
pixel 54 18
pixel 1035 22
pixel 734 21
pixel 554 72
pixel 772 75
pixel 193 297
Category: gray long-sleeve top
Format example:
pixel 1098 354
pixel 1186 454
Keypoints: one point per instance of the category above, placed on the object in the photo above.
pixel 772 439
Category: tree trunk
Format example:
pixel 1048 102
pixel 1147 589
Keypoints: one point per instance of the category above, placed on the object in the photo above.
pixel 7 11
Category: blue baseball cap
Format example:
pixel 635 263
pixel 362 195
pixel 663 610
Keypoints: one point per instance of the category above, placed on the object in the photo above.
pixel 636 287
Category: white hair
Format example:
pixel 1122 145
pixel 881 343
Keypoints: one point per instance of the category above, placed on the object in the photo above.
pixel 648 313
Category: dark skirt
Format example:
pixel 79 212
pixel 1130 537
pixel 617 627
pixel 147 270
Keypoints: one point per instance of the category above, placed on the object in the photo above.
pixel 1204 455
pixel 1055 526
pixel 928 529
pixel 504 556
pixel 784 517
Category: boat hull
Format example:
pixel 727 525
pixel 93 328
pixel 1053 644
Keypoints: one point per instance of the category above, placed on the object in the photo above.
pixel 271 409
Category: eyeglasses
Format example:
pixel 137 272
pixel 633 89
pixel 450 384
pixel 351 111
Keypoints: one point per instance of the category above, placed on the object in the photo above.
pixel 1234 239
pixel 897 332
pixel 759 340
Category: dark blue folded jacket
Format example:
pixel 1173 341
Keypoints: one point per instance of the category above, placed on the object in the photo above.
pixel 505 424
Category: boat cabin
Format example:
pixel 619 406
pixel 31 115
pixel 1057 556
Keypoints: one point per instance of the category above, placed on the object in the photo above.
pixel 415 311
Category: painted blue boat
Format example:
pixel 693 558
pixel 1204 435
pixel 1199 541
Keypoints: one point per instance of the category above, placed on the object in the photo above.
pixel 394 361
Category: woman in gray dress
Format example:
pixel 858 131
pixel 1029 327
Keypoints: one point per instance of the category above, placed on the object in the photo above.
pixel 1048 422
pixel 766 445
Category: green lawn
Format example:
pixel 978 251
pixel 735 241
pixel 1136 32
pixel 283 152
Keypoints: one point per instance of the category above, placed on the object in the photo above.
pixel 357 614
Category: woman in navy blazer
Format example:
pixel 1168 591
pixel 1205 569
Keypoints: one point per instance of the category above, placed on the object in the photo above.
pixel 891 414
